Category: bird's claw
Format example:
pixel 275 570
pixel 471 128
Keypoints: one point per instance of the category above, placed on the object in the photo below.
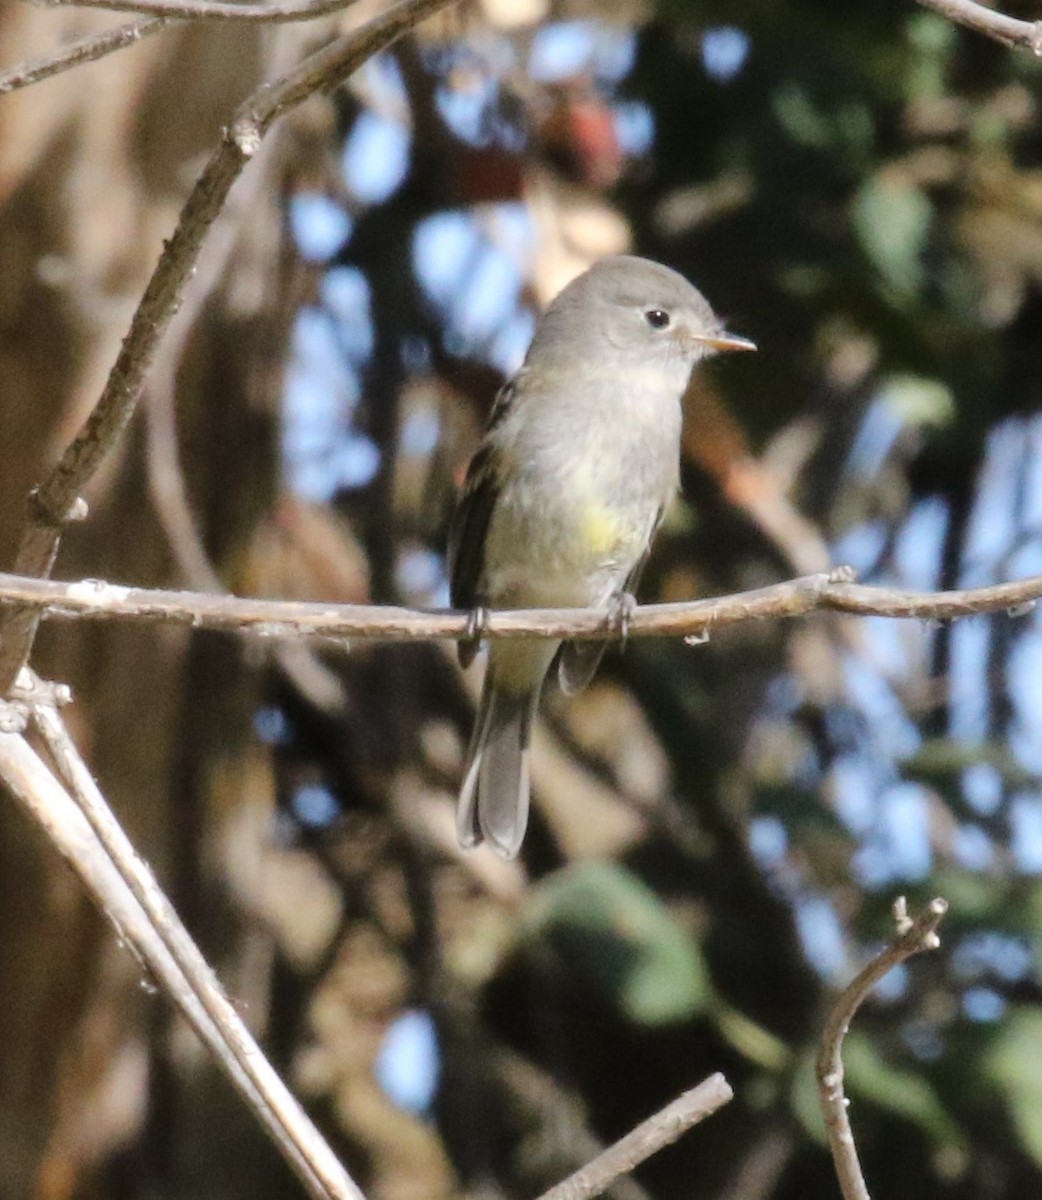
pixel 477 627
pixel 620 613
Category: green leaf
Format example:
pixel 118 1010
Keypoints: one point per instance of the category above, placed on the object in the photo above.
pixel 804 1095
pixel 904 1093
pixel 1012 1065
pixel 801 119
pixel 919 401
pixel 757 1044
pixel 931 40
pixel 892 218
pixel 606 926
pixel 868 1076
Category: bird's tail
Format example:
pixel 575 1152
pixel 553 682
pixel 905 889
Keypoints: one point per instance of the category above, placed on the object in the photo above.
pixel 493 802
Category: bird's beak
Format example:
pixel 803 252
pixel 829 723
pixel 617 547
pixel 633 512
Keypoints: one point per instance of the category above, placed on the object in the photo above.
pixel 723 341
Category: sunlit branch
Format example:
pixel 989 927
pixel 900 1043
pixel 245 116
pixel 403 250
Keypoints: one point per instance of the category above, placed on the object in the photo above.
pixel 912 937
pixel 213 10
pixel 57 500
pixel 147 925
pixel 76 53
pixel 1009 30
pixel 93 599
pixel 651 1136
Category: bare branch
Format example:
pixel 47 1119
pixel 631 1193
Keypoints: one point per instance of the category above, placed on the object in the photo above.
pixel 57 500
pixel 913 937
pixel 214 10
pixel 76 53
pixel 93 599
pixel 150 936
pixel 1008 30
pixel 651 1136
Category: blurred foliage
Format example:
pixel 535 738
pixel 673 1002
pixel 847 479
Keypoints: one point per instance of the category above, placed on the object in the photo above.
pixel 857 187
pixel 609 930
pixel 718 830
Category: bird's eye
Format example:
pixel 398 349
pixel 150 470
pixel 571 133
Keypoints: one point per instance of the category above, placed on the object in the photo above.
pixel 657 318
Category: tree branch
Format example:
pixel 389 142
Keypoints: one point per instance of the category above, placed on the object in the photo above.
pixel 651 1136
pixel 85 50
pixel 92 599
pixel 146 923
pixel 913 937
pixel 1008 30
pixel 57 500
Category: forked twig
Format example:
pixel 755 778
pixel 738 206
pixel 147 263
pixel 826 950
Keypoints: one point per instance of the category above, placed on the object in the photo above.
pixel 152 934
pixel 57 501
pixel 913 937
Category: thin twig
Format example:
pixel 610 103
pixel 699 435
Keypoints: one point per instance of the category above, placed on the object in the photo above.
pixel 651 1136
pixel 214 10
pixel 51 807
pixel 913 937
pixel 281 1114
pixel 57 501
pixel 1008 30
pixel 92 599
pixel 85 50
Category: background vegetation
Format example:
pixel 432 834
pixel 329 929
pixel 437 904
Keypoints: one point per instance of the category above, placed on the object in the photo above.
pixel 719 829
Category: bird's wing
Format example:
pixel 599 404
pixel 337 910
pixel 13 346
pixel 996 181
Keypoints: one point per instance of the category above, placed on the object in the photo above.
pixel 637 570
pixel 471 520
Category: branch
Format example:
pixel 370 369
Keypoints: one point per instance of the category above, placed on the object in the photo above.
pixel 75 53
pixel 913 937
pixel 213 10
pixel 92 599
pixel 657 1132
pixel 57 500
pixel 1008 30
pixel 147 925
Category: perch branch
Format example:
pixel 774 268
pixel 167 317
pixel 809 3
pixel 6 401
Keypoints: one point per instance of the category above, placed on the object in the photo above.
pixel 93 599
pixel 651 1136
pixel 1008 30
pixel 84 50
pixel 57 500
pixel 913 937
pixel 50 806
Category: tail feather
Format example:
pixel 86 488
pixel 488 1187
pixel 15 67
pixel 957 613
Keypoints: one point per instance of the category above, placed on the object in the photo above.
pixel 494 799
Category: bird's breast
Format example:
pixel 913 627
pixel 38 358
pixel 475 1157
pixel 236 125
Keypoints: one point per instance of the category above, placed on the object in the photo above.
pixel 579 500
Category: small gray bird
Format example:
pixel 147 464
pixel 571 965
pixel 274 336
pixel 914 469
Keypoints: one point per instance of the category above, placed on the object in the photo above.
pixel 563 496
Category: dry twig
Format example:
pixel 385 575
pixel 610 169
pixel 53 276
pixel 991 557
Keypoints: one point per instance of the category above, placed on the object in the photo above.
pixel 913 937
pixel 76 53
pixel 147 925
pixel 92 599
pixel 57 500
pixel 223 1031
pixel 1008 30
pixel 215 10
pixel 651 1136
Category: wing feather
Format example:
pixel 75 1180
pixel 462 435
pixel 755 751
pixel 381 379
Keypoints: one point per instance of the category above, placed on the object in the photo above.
pixel 470 522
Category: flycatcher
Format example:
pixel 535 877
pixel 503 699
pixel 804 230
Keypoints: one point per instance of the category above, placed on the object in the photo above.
pixel 563 496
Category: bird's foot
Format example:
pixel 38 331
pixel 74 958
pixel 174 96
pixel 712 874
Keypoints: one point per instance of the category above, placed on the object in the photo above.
pixel 477 628
pixel 620 612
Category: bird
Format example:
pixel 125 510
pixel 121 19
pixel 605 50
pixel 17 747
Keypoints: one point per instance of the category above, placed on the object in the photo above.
pixel 562 498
